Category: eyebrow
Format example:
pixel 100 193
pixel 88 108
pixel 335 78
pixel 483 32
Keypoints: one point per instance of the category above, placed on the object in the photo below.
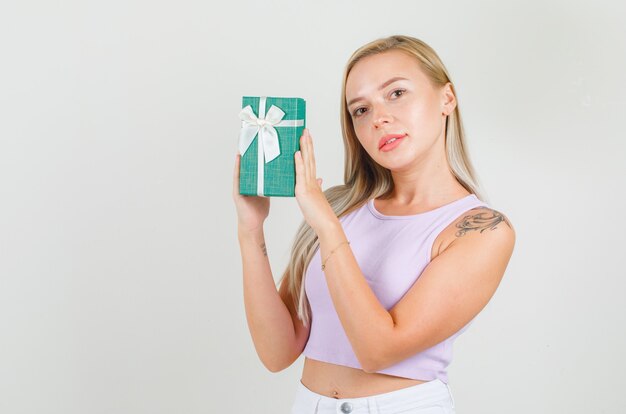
pixel 383 86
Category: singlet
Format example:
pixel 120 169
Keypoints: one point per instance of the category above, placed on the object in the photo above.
pixel 392 252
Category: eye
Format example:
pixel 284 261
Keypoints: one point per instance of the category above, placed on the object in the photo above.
pixel 356 112
pixel 398 90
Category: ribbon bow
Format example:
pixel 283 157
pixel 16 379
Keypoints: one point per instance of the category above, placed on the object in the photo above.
pixel 264 127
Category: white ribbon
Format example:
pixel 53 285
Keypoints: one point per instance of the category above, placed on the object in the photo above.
pixel 263 126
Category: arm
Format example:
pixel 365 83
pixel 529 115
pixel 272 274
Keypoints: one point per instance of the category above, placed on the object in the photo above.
pixel 450 292
pixel 452 289
pixel 366 322
pixel 269 319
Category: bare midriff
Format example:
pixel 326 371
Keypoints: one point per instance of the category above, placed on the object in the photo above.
pixel 338 381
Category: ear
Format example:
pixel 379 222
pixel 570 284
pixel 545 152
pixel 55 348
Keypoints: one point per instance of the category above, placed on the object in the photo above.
pixel 448 99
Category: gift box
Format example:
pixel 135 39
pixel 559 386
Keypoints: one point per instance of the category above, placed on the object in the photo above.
pixel 271 128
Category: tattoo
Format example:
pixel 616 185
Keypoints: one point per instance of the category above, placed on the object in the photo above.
pixel 264 249
pixel 481 221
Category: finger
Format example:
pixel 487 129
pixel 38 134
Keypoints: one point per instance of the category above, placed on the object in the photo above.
pixel 311 153
pixel 236 175
pixel 299 166
pixel 307 159
pixel 304 152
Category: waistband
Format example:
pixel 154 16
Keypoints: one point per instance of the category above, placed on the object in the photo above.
pixel 435 392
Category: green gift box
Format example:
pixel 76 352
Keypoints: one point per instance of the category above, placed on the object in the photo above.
pixel 271 128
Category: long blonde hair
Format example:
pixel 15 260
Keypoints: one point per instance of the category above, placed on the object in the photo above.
pixel 363 177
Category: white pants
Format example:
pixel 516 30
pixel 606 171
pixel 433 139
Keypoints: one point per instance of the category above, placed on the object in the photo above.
pixel 432 397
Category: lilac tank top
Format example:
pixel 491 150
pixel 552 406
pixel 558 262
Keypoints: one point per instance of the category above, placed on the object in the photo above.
pixel 392 252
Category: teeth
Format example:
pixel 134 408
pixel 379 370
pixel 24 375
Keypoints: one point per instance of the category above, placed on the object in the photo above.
pixel 390 141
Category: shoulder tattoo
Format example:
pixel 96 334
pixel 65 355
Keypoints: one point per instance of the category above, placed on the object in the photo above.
pixel 486 219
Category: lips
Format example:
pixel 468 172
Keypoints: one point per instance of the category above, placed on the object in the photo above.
pixel 386 138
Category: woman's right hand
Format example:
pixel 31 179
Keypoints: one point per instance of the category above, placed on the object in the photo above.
pixel 251 210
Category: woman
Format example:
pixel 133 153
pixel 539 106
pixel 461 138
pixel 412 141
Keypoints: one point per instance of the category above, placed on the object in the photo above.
pixel 389 268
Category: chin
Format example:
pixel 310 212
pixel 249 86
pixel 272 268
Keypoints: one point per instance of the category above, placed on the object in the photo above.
pixel 400 163
pixel 394 166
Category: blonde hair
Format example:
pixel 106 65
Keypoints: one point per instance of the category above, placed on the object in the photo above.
pixel 363 177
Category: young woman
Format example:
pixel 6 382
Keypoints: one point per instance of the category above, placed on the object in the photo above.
pixel 389 268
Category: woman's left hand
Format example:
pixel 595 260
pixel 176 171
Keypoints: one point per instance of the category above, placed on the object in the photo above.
pixel 315 208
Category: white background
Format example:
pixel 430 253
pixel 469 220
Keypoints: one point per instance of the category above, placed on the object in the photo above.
pixel 120 271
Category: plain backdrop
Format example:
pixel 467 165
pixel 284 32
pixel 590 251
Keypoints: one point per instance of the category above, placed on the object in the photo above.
pixel 120 270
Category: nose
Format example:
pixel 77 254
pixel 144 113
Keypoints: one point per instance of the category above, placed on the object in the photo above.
pixel 381 116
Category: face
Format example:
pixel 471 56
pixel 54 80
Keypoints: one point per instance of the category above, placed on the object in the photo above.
pixel 410 107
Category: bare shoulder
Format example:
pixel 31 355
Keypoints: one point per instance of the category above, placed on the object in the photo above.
pixel 476 224
pixel 483 219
